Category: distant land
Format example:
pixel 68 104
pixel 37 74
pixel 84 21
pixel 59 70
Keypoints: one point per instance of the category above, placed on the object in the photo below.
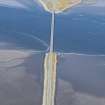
pixel 58 5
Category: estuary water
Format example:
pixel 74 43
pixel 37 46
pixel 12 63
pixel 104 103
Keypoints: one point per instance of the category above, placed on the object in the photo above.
pixel 79 33
pixel 80 30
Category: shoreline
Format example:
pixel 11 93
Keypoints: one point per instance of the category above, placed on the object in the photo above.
pixel 30 52
pixel 58 11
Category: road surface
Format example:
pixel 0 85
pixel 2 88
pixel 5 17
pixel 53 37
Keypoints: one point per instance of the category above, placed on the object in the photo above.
pixel 49 79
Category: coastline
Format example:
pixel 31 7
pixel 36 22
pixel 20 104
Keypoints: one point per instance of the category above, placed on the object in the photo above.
pixel 58 11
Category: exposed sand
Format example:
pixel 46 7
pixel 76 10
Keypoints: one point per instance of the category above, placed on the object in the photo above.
pixel 6 55
pixel 58 5
pixel 10 58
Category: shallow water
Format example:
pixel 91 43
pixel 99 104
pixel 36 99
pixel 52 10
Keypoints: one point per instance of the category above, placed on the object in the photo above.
pixel 80 78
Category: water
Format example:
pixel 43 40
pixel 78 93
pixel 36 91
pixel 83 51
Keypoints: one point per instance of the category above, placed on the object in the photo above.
pixel 79 31
pixel 81 77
